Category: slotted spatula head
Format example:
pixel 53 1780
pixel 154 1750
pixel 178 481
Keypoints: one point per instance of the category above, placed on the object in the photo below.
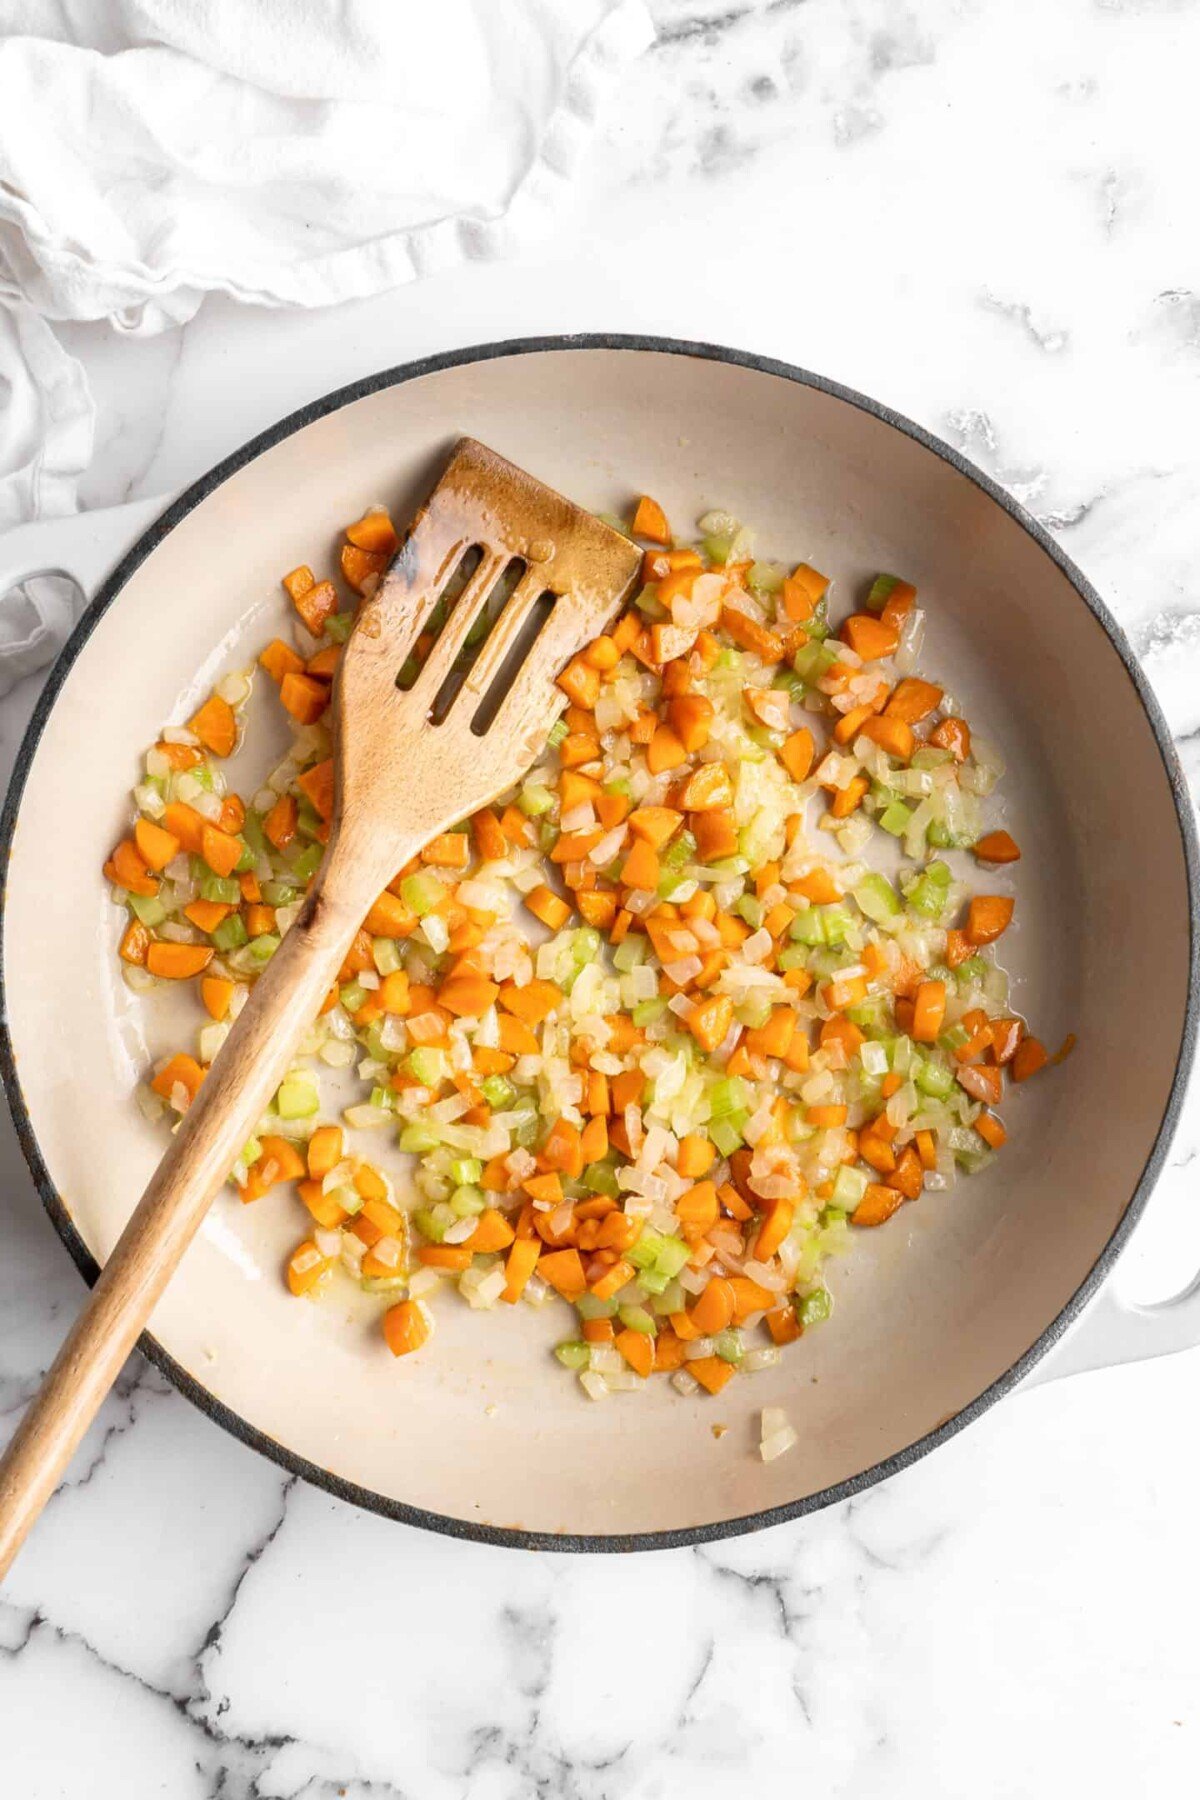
pixel 417 758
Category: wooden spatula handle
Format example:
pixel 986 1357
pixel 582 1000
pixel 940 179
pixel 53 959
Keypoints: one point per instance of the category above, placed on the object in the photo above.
pixel 242 1081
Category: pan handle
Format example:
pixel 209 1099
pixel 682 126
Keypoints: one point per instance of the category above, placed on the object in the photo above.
pixel 84 547
pixel 1114 1331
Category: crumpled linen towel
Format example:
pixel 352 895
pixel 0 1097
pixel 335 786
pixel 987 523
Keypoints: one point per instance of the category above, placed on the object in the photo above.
pixel 282 152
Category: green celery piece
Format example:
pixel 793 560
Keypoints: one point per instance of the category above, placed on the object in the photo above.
pixel 573 1355
pixel 747 907
pixel 881 587
pixel 728 1345
pixel 222 889
pixel 252 831
pixel 416 1138
pixel 876 897
pixel 148 908
pixel 263 948
pixel 498 1092
pixel 466 1169
pixel 644 1254
pixel 636 1318
pixel 468 1201
pixel 589 1307
pixel 932 1078
pixel 297 1098
pixel 726 1135
pixel 836 921
pixel 646 1012
pixel 794 957
pixel 808 927
pixel 601 1178
pixel 653 1281
pixel 557 733
pixel 308 862
pixel 672 1257
pixel 895 818
pixel 849 1186
pixel 421 893
pixel 353 996
pixel 338 626
pixel 815 1307
pixel 728 1095
pixel 534 799
pixel 230 934
pixel 246 860
pixel 426 1065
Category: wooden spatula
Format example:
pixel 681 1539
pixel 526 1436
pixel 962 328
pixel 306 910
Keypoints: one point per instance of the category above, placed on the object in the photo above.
pixel 407 766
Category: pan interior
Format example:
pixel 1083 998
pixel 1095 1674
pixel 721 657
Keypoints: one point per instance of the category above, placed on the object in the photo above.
pixel 485 1428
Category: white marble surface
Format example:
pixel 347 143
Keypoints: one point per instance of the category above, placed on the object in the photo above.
pixel 983 214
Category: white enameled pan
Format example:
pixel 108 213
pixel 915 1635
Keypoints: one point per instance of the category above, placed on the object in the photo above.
pixel 938 1314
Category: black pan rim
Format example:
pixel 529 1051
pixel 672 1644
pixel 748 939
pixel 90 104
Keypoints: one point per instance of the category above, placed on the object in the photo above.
pixel 716 1530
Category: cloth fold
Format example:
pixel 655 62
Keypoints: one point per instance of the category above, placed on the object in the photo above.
pixel 282 152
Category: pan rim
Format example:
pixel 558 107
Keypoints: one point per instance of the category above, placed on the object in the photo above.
pixel 716 1530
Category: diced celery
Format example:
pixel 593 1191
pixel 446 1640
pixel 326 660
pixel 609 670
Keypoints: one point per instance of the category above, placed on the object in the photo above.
pixel 767 578
pixel 647 1011
pixel 426 1065
pixel 933 1078
pixel 794 957
pixel 148 908
pixel 468 1201
pixel 672 1256
pixel 385 953
pixel 573 1355
pixel 649 604
pixel 308 819
pixel 308 862
pixel 353 996
pixel 498 1092
pixel 753 1011
pixel 585 946
pixel 876 896
pixel 728 1345
pixel 836 922
pixel 671 1300
pixel 421 893
pixel 815 1307
pixel 717 546
pixel 679 851
pixel 894 818
pixel 534 799
pixel 930 757
pixel 749 909
pixel 221 888
pixel 230 934
pixel 557 732
pixel 383 1098
pixel 527 1128
pixel 297 1097
pixel 653 1281
pixel 629 954
pixel 251 1151
pixel 466 1169
pixel 849 1186
pixel 972 970
pixel 636 1318
pixel 870 1015
pixel 881 587
pixel 808 926
pixel 416 1138
pixel 644 1254
pixel 280 893
pixel 338 626
pixel 246 860
pixel 252 831
pixel 547 836
pixel 589 1307
pixel 729 1095
pixel 433 1222
pixel 726 1134
pixel 601 1178
pixel 263 948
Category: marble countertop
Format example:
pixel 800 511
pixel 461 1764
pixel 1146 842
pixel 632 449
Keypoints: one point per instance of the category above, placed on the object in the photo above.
pixel 974 212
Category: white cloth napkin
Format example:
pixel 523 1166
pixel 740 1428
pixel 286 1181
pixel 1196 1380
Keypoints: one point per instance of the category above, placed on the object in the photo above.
pixel 283 152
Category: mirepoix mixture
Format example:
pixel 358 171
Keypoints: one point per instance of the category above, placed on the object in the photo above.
pixel 658 1033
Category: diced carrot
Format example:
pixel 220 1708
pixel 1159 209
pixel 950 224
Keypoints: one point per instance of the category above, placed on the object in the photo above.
pixel 690 717
pixel 280 823
pixel 233 814
pixel 991 1129
pixel 908 1177
pixel 818 886
pixel 468 997
pixel 452 850
pixel 455 1258
pixel 564 1271
pixel 988 916
pixel 177 962
pixel 891 734
pixel 641 867
pixel 180 1071
pixel 360 566
pixel 709 1022
pixel 664 751
pixel 637 1347
pixel 407 1326
pixel 796 753
pixel 531 1003
pixel 493 1232
pixel 953 735
pixel 135 942
pixel 519 1266
pixel 748 634
pixel 563 1149
pixel 1031 1055
pixel 130 869
pixel 220 851
pixel 783 1324
pixel 613 1280
pixel 851 723
pixel 846 800
pixel 650 521
pixel 206 915
pixel 929 1009
pixel 984 1081
pixel 304 698
pixel 777 1222
pixel 180 756
pixel 1006 1035
pixel 279 659
pixel 958 948
pixel 877 1205
pixel 712 1372
pixel 715 834
pixel 656 824
pixel 708 789
pixel 825 1117
pixel 803 591
pixel 374 532
pixel 215 725
pixel 315 604
pixel 869 637
pixel 298 581
pixel 316 784
pixel 698 1206
pixel 713 1309
pixel 580 683
pixel 996 847
pixel 157 847
pixel 913 700
pixel 775 1037
pixel 305 1267
pixel 389 917
pixel 324 1150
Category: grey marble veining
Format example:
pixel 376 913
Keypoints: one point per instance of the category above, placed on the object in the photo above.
pixel 983 214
